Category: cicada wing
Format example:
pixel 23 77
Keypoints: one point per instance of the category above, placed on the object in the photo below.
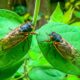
pixel 76 55
pixel 70 54
pixel 65 50
pixel 12 41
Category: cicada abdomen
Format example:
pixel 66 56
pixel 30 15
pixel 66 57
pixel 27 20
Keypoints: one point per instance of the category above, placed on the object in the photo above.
pixel 16 36
pixel 66 50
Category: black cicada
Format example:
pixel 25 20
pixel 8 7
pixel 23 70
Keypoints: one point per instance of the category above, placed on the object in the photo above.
pixel 65 49
pixel 16 36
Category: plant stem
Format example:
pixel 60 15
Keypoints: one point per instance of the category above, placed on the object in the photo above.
pixel 36 11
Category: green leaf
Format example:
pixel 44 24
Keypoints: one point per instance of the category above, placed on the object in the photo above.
pixel 71 77
pixel 57 14
pixel 43 73
pixel 76 24
pixel 68 15
pixel 77 14
pixel 70 34
pixel 36 57
pixel 8 20
pixel 11 59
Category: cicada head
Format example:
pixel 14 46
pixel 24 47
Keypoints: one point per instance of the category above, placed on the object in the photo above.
pixel 26 27
pixel 55 37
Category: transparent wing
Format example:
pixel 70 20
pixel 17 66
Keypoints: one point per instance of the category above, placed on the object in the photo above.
pixel 12 41
pixel 65 49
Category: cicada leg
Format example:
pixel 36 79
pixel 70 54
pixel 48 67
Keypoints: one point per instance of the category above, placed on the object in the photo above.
pixel 33 33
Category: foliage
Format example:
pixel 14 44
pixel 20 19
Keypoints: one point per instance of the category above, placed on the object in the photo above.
pixel 37 66
pixel 10 60
pixel 57 15
pixel 45 74
pixel 75 4
pixel 49 50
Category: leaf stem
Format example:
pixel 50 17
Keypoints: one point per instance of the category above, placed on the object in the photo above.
pixel 36 11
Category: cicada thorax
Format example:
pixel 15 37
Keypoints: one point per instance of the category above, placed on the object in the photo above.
pixel 16 36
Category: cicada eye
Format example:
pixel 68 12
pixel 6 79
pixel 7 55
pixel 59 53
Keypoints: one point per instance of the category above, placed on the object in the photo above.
pixel 27 27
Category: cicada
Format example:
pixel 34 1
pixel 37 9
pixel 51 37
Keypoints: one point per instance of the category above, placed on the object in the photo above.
pixel 66 50
pixel 16 36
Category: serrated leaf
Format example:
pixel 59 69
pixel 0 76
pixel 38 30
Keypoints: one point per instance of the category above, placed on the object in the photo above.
pixel 40 73
pixel 49 51
pixel 57 14
pixel 11 59
pixel 68 15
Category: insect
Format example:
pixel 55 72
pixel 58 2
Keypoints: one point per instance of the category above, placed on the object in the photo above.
pixel 16 36
pixel 66 50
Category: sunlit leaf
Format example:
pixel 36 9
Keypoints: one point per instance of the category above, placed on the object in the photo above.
pixel 76 24
pixel 68 15
pixel 57 14
pixel 70 34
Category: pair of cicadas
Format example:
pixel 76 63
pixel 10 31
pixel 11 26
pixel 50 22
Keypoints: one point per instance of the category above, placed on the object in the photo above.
pixel 16 36
pixel 19 34
pixel 65 49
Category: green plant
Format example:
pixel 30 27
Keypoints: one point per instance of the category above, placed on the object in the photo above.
pixel 35 66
